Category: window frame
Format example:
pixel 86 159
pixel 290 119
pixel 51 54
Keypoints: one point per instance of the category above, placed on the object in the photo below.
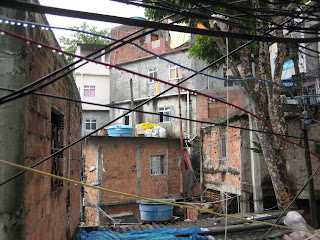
pixel 152 72
pixel 90 122
pixel 161 164
pixel 177 71
pixel 57 139
pixel 128 119
pixel 167 111
pixel 89 88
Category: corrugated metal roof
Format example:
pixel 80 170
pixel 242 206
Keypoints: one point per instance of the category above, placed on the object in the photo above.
pixel 249 231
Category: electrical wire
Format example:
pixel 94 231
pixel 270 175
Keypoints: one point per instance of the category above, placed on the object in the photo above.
pixel 140 197
pixel 170 84
pixel 160 114
pixel 7 21
pixel 142 23
pixel 22 90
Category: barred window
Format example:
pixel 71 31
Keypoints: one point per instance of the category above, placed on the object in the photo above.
pixel 57 127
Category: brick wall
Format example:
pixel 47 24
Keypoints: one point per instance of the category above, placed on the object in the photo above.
pixel 129 52
pixel 215 167
pixel 47 210
pixel 210 110
pixel 49 214
pixel 125 167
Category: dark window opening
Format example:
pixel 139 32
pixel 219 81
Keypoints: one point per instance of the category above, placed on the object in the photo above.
pixel 154 37
pixel 222 148
pixel 57 127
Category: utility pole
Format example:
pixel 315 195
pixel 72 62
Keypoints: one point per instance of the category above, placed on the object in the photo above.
pixel 132 106
pixel 304 130
pixel 182 152
pixel 201 164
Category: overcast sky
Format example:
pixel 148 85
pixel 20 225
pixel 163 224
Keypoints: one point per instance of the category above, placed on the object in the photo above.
pixel 95 6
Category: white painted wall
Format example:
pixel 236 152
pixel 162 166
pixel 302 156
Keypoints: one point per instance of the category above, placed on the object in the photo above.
pixel 97 75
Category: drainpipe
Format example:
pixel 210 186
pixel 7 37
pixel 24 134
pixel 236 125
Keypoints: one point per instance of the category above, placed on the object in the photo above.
pixel 182 153
pixel 132 106
pixel 188 114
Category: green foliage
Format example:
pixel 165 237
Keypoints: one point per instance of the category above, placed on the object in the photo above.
pixel 69 44
pixel 257 148
pixel 205 47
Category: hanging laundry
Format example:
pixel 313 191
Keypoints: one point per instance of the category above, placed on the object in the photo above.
pixel 177 39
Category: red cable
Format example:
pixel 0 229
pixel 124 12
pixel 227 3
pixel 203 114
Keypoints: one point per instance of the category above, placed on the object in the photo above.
pixel 162 81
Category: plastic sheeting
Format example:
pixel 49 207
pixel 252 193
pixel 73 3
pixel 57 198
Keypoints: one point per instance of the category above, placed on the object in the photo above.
pixel 160 234
pixel 179 38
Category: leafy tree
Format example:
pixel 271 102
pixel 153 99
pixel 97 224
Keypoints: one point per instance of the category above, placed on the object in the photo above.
pixel 69 44
pixel 264 98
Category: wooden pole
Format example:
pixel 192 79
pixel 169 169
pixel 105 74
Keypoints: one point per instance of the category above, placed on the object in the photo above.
pixel 182 153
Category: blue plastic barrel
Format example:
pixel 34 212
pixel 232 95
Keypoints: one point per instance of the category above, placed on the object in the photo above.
pixel 155 212
pixel 120 130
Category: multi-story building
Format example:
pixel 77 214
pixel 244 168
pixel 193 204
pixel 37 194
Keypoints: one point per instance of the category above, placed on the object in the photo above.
pixel 33 127
pixel 93 82
pixel 167 59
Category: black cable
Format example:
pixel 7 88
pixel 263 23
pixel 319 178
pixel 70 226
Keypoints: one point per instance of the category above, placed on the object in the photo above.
pixel 22 90
pixel 186 79
pixel 160 114
pixel 142 23
pixel 24 93
pixel 167 6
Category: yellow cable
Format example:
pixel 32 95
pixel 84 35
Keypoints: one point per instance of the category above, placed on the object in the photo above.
pixel 145 198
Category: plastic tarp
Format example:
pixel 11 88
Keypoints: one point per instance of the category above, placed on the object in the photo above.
pixel 179 38
pixel 159 233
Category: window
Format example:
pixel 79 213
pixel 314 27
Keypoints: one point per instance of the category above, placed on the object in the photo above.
pixel 152 72
pixel 57 127
pixel 128 119
pixel 154 37
pixel 157 165
pixel 175 72
pixel 91 124
pixel 89 91
pixel 165 111
pixel 222 147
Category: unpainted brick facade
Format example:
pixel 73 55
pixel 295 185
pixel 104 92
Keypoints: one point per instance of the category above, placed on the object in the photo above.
pixel 39 210
pixel 124 164
pixel 129 52
pixel 239 176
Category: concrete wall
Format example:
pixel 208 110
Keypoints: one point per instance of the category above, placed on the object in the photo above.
pixel 142 88
pixel 172 127
pixel 123 164
pixel 296 160
pixel 93 75
pixel 102 118
pixel 29 209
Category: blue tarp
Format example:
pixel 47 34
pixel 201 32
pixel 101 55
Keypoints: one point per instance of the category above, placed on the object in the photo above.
pixel 159 233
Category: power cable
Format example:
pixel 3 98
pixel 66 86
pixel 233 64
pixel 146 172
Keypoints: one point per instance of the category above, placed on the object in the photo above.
pixel 160 114
pixel 25 23
pixel 23 90
pixel 142 23
pixel 143 198
pixel 152 98
pixel 7 21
